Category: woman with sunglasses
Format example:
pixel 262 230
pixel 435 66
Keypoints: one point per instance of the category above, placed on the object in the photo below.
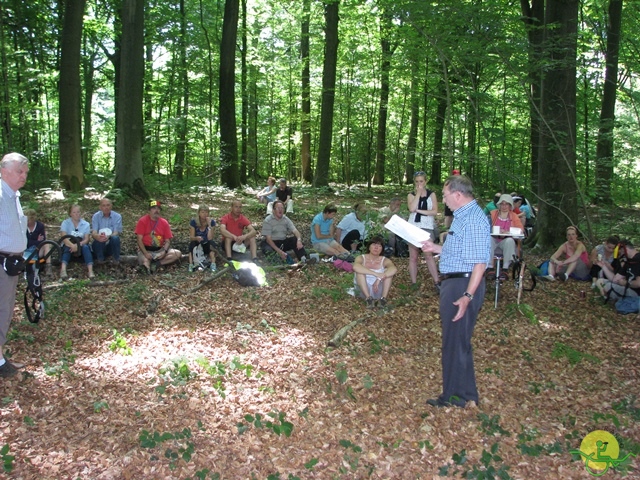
pixel 423 208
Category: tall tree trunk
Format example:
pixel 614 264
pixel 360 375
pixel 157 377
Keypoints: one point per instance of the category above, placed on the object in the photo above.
pixel 328 92
pixel 129 136
pixel 471 168
pixel 438 134
pixel 305 119
pixel 252 134
pixel 385 69
pixel 413 128
pixel 245 98
pixel 604 148
pixel 230 175
pixel 88 70
pixel 556 181
pixel 71 171
pixel 533 17
pixel 5 116
pixel 209 161
pixel 182 112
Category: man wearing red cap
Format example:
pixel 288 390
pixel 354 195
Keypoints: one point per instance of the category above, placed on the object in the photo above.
pixel 154 239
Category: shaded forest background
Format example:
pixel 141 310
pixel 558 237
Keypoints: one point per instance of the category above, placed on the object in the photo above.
pixel 538 96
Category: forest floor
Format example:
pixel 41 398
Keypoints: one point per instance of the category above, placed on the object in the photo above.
pixel 143 380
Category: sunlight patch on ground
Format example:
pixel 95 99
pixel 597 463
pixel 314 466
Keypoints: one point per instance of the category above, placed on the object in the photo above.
pixel 552 326
pixel 154 349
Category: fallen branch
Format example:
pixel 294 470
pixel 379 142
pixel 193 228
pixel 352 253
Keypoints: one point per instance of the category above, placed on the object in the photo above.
pixel 98 283
pixel 338 337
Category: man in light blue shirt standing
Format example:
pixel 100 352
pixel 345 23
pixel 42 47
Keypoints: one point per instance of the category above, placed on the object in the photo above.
pixel 106 227
pixel 13 241
pixel 463 260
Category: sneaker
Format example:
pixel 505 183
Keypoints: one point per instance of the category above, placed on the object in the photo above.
pixel 64 276
pixel 438 285
pixel 382 302
pixel 191 268
pixel 371 303
pixel 289 260
pixel 563 277
pixel 256 261
pixel 153 268
pixel 213 267
pixel 551 278
pixel 8 369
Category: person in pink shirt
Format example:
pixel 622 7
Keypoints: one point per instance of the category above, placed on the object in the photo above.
pixel 571 258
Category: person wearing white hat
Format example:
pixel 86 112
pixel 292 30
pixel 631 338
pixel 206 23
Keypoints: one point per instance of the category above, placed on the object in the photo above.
pixel 505 219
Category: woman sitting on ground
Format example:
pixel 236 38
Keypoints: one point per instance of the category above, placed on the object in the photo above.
pixel 201 234
pixel 268 194
pixel 374 273
pixel 624 280
pixel 79 228
pixel 323 231
pixel 576 262
pixel 602 253
pixel 423 205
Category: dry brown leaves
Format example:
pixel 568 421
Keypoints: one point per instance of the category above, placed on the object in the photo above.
pixel 357 411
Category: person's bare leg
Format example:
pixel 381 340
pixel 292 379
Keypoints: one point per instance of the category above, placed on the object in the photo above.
pixel 431 265
pixel 413 263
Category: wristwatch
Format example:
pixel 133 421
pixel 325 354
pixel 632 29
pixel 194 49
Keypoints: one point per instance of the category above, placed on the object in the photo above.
pixel 467 294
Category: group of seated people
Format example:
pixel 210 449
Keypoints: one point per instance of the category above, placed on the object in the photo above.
pixel 373 270
pixel 613 267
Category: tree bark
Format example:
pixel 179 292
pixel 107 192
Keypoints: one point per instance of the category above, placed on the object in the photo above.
pixel 129 136
pixel 385 69
pixel 436 165
pixel 70 140
pixel 328 92
pixel 413 128
pixel 305 119
pixel 245 99
pixel 556 181
pixel 230 175
pixel 604 146
pixel 182 112
pixel 533 17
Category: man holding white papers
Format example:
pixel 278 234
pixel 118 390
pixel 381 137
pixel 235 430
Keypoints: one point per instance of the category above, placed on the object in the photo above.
pixel 463 260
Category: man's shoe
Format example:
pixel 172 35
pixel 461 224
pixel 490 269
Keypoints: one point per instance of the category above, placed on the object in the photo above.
pixel 563 277
pixel 371 303
pixel 382 302
pixel 213 267
pixel 435 402
pixel 64 276
pixel 8 370
pixel 438 285
pixel 551 278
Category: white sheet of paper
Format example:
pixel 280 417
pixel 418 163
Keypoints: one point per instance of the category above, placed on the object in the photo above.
pixel 412 234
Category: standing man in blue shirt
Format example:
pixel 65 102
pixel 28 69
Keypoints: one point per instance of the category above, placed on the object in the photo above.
pixel 106 227
pixel 13 241
pixel 463 260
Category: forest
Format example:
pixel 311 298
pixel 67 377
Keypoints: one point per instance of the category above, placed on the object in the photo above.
pixel 181 375
pixel 534 96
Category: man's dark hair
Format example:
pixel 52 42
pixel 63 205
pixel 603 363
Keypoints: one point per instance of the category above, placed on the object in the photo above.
pixel 331 208
pixel 613 240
